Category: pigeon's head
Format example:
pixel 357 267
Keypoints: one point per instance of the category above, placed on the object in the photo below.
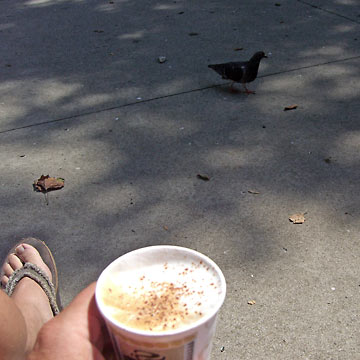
pixel 258 56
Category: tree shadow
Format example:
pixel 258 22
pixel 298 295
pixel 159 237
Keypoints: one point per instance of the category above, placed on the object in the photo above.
pixel 131 171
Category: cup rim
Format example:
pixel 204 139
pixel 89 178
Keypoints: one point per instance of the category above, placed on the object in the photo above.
pixel 184 329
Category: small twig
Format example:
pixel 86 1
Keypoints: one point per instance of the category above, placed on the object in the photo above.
pixel 46 197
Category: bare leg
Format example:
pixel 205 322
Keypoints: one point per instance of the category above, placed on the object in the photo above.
pixel 12 330
pixel 22 315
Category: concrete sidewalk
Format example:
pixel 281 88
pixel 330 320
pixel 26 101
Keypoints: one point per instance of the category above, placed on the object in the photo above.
pixel 83 97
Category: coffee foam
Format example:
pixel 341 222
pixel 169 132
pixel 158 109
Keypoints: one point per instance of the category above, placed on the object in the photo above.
pixel 162 297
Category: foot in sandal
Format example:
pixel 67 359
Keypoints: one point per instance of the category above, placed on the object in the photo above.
pixel 28 280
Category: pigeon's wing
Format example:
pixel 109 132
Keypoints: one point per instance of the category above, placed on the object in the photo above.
pixel 235 71
pixel 231 71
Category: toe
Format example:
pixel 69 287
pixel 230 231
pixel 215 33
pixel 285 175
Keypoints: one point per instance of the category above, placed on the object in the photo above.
pixel 12 263
pixel 7 270
pixel 28 253
pixel 4 281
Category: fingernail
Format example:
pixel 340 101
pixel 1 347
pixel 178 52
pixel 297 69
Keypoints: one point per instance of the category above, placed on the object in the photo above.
pixel 19 250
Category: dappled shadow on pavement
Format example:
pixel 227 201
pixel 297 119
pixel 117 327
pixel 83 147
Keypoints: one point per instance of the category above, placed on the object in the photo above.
pixel 131 171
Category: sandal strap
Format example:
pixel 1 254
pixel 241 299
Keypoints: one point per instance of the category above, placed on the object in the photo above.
pixel 38 275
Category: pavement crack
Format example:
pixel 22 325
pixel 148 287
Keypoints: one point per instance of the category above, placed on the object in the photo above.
pixel 328 11
pixel 116 107
pixel 311 66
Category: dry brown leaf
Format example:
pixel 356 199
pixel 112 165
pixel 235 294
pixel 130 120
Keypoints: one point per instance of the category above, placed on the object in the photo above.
pixel 253 192
pixel 203 177
pixel 46 183
pixel 165 228
pixel 297 218
pixel 251 302
pixel 291 107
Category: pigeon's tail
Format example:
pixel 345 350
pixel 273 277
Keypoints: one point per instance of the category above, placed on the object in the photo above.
pixel 219 68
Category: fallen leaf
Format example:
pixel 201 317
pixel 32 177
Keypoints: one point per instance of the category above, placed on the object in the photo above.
pixel 99 31
pixel 251 302
pixel 165 228
pixel 291 107
pixel 297 218
pixel 46 183
pixel 277 4
pixel 203 177
pixel 193 34
pixel 238 49
pixel 253 192
pixel 328 160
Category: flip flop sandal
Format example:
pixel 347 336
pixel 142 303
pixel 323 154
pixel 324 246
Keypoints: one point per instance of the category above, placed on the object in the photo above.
pixel 38 275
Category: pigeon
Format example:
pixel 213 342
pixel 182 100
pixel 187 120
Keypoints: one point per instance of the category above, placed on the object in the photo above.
pixel 242 72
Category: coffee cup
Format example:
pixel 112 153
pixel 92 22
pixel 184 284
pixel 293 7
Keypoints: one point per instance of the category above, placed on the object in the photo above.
pixel 161 303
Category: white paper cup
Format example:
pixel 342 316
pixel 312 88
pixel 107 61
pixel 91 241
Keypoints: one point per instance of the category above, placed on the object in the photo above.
pixel 180 285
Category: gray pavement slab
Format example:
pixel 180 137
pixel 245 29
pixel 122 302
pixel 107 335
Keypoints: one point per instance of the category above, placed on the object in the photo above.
pixel 130 165
pixel 67 58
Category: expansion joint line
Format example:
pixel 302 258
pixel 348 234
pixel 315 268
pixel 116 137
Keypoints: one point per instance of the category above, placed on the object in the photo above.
pixel 328 11
pixel 118 107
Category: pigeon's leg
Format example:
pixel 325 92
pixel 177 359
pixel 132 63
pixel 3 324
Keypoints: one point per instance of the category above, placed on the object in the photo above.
pixel 247 91
pixel 232 89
